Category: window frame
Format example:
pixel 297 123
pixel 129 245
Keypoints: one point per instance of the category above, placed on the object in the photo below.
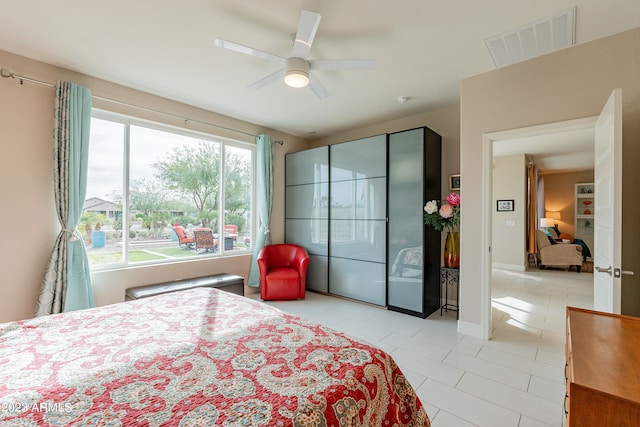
pixel 127 121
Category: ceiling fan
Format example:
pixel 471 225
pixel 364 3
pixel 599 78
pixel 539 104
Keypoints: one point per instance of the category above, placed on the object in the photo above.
pixel 296 69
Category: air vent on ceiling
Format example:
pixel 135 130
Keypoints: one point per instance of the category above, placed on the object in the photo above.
pixel 538 38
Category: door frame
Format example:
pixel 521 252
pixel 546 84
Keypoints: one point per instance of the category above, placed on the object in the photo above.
pixel 487 200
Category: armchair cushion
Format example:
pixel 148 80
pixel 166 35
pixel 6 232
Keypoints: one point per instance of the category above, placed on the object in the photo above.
pixel 283 271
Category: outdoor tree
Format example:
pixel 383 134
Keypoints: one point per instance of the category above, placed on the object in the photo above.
pixel 147 200
pixel 194 173
pixel 89 221
pixel 146 197
pixel 237 187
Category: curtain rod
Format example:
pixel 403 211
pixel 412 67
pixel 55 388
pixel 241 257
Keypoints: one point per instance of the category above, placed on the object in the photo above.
pixel 10 74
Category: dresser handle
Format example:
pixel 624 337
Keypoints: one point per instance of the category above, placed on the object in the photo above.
pixel 566 395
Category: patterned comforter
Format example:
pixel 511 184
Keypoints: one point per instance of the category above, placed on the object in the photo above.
pixel 195 358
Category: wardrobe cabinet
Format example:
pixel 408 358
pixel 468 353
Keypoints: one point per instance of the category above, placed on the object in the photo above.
pixel 357 207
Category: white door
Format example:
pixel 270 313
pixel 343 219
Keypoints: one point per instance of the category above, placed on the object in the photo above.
pixel 608 206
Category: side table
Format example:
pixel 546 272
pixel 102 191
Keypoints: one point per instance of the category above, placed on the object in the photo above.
pixel 450 277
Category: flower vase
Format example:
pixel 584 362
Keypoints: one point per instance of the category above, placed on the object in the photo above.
pixel 452 250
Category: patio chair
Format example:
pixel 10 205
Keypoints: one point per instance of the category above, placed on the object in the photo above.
pixel 183 239
pixel 205 240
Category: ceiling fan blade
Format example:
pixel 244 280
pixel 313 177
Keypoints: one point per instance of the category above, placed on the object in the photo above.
pixel 342 64
pixel 317 87
pixel 226 44
pixel 266 80
pixel 307 28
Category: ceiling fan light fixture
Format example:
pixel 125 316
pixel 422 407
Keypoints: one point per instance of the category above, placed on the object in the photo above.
pixel 296 72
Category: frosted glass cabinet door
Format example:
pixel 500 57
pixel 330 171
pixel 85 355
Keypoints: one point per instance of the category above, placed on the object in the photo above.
pixel 317 273
pixel 413 250
pixel 405 220
pixel 311 234
pixel 307 167
pixel 361 240
pixel 358 212
pixel 364 158
pixel 307 210
pixel 364 281
pixel 359 199
pixel 307 200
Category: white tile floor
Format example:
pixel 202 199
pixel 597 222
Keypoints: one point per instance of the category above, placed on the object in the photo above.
pixel 515 379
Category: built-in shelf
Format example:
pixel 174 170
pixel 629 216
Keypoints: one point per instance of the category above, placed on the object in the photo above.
pixel 583 212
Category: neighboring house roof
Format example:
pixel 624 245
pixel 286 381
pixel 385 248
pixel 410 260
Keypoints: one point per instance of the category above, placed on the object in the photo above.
pixel 98 204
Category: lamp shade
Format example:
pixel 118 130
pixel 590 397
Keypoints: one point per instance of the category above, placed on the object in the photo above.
pixel 546 222
pixel 296 72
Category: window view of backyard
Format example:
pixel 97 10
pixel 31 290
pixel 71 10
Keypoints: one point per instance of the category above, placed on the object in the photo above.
pixel 180 196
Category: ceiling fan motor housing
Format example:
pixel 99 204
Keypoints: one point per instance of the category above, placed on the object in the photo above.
pixel 296 72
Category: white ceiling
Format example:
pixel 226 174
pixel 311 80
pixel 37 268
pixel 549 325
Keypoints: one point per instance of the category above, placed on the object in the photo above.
pixel 423 49
pixel 565 151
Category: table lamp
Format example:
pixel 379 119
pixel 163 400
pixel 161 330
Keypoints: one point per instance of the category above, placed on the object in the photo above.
pixel 546 223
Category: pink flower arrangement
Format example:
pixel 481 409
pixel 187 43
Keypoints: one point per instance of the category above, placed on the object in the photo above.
pixel 441 215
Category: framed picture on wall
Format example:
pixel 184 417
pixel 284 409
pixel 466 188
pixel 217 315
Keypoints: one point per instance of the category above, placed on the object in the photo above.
pixel 505 206
pixel 454 182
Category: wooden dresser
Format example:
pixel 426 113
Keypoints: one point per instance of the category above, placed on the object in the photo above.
pixel 603 369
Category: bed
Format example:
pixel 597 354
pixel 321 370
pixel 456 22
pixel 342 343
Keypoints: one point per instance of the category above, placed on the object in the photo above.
pixel 199 357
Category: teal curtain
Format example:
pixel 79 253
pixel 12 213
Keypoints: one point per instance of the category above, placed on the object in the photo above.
pixel 67 282
pixel 264 183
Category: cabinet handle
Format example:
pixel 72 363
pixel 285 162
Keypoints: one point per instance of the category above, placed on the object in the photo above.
pixel 566 395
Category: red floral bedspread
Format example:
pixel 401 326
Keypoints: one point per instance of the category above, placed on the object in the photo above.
pixel 195 358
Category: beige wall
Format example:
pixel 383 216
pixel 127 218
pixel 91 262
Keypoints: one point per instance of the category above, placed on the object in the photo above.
pixel 559 196
pixel 508 243
pixel 28 222
pixel 569 84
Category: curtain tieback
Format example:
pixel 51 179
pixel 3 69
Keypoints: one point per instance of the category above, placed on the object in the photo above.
pixel 75 234
pixel 267 231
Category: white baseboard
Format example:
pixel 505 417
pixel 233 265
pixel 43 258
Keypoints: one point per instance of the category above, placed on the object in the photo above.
pixel 511 267
pixel 471 329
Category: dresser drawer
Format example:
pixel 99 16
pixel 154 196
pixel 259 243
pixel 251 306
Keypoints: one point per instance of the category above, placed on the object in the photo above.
pixel 601 372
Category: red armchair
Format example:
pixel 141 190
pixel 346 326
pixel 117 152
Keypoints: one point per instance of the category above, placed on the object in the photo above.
pixel 283 271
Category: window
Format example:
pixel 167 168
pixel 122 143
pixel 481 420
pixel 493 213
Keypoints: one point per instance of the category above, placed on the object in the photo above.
pixel 156 194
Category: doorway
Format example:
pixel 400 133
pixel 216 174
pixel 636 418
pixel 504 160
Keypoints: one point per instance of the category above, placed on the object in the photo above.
pixel 490 142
